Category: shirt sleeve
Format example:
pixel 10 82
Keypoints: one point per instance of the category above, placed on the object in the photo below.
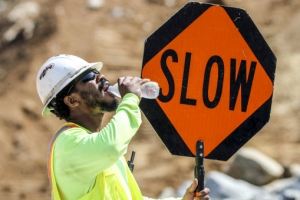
pixel 86 155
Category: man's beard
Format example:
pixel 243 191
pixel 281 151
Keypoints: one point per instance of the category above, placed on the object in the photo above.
pixel 95 100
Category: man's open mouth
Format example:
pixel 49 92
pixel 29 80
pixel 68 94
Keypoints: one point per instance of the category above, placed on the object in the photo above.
pixel 105 86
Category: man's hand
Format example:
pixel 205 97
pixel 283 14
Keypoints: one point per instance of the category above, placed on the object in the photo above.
pixel 190 192
pixel 130 84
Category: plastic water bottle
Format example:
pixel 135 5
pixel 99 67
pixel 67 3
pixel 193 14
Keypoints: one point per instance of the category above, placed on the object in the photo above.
pixel 150 90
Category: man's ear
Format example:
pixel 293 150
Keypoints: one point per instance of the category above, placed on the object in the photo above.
pixel 71 101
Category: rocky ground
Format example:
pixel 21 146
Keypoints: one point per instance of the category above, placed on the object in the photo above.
pixel 115 34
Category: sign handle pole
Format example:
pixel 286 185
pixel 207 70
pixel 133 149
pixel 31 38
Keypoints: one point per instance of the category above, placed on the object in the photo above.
pixel 199 168
pixel 130 162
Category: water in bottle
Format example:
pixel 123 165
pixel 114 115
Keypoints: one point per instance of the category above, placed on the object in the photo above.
pixel 150 90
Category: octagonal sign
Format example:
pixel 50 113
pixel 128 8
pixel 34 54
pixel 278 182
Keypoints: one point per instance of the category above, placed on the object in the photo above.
pixel 216 75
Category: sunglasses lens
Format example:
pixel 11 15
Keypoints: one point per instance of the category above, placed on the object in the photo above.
pixel 88 77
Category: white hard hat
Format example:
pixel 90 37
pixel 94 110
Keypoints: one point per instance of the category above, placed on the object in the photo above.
pixel 56 73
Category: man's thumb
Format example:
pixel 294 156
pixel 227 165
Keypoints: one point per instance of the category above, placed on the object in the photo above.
pixel 193 187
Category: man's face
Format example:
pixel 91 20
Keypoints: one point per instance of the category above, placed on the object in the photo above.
pixel 92 87
pixel 94 100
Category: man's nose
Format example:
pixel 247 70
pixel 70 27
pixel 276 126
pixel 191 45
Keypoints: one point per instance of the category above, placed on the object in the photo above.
pixel 99 77
pixel 102 79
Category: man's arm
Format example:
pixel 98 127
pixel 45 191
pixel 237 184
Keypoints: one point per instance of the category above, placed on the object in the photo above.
pixel 86 155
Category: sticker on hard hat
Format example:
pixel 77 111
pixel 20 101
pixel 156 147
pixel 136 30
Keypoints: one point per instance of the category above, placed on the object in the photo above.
pixel 45 70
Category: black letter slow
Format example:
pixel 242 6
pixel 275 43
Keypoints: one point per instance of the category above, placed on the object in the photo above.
pixel 183 99
pixel 218 60
pixel 240 82
pixel 166 71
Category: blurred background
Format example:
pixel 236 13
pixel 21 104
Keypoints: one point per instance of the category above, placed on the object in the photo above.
pixel 114 31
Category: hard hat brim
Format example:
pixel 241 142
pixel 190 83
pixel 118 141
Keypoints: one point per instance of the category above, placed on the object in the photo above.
pixel 97 65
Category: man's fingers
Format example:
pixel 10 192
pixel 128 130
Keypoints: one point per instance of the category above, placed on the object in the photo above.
pixel 145 80
pixel 124 80
pixel 204 192
pixel 192 194
pixel 193 187
pixel 127 79
pixel 136 80
pixel 202 198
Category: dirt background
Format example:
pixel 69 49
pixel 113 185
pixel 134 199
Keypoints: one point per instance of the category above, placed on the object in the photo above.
pixel 115 35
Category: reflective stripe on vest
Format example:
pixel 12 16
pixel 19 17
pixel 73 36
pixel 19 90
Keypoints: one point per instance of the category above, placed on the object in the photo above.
pixel 50 152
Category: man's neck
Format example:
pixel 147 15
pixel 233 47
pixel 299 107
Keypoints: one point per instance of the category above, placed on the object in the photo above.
pixel 90 122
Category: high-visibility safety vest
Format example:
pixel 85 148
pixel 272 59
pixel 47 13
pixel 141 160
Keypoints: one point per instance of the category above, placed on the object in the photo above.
pixel 108 186
pixel 85 165
pixel 91 166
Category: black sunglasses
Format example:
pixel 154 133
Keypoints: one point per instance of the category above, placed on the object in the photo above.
pixel 84 79
pixel 88 77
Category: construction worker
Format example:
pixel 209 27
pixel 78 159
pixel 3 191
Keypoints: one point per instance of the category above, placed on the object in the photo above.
pixel 86 162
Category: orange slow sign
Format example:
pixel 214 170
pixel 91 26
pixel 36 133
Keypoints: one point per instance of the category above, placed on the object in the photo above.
pixel 214 86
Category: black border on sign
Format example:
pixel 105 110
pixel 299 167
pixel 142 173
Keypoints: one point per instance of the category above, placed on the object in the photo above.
pixel 153 45
pixel 156 116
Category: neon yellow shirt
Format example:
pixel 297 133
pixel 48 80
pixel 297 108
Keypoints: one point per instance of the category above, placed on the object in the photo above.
pixel 89 165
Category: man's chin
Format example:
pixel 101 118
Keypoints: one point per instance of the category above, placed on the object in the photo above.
pixel 112 106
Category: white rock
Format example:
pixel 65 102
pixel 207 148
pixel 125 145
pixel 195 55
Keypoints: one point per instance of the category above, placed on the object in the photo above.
pixel 254 167
pixel 24 10
pixel 167 192
pixel 225 187
pixel 23 16
pixel 283 184
pixel 291 194
pixel 95 4
pixel 295 169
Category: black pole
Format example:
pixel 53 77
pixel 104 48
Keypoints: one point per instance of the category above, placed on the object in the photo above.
pixel 130 162
pixel 199 168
